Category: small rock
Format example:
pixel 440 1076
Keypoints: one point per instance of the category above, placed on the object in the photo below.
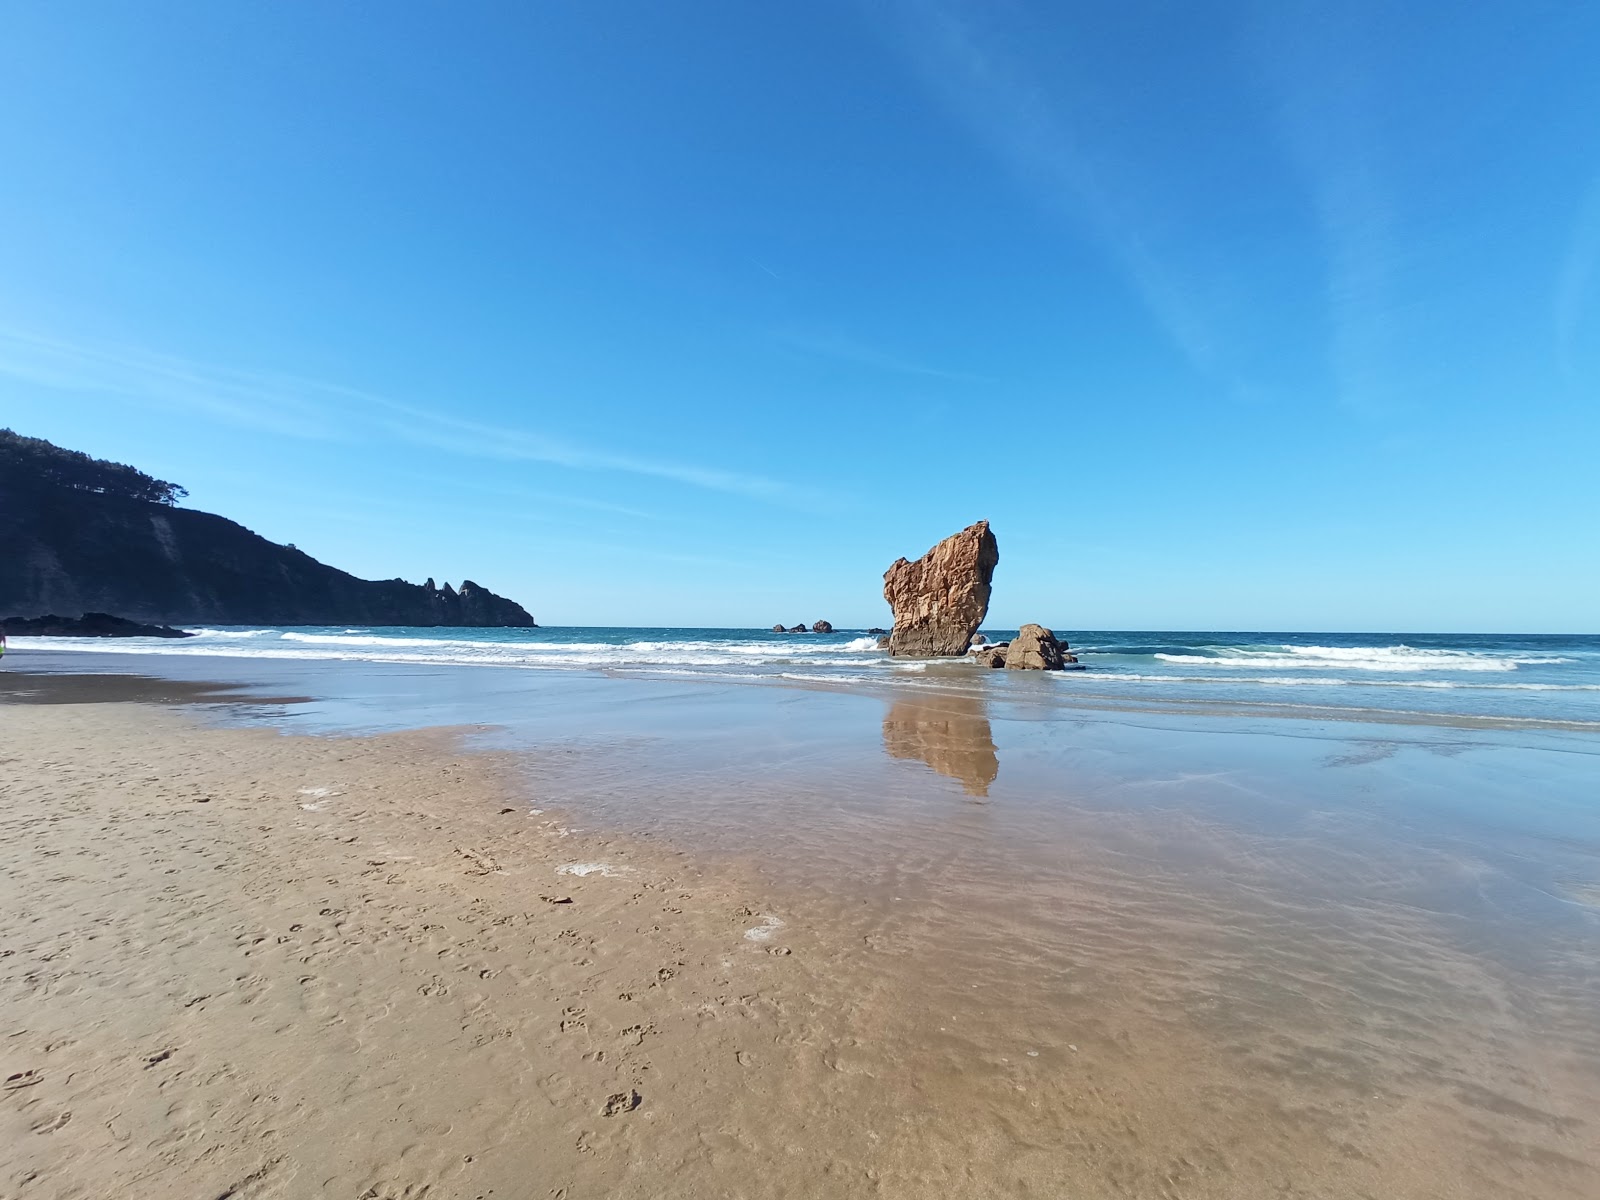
pixel 556 899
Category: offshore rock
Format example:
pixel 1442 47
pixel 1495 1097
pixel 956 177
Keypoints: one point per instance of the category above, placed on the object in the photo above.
pixel 779 629
pixel 940 600
pixel 1035 649
pixel 91 624
pixel 822 627
pixel 991 656
pixel 799 629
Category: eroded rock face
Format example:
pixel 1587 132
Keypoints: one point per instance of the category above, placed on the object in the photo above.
pixel 1035 649
pixel 940 600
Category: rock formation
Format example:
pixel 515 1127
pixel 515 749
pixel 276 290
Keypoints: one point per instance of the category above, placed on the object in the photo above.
pixel 940 600
pixel 822 627
pixel 1035 649
pixel 990 656
pixel 779 629
pixel 91 624
pixel 797 629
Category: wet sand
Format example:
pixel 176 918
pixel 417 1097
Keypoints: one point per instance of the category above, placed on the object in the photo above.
pixel 239 962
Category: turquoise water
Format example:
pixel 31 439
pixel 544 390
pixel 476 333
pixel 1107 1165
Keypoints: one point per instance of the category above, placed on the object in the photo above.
pixel 1496 677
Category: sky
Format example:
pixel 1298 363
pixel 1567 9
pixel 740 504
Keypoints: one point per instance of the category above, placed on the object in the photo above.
pixel 1241 316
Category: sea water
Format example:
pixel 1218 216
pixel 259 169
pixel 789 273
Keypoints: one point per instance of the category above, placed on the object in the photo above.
pixel 1543 678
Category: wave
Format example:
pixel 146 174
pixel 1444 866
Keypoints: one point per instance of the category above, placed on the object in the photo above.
pixel 1360 658
pixel 1329 681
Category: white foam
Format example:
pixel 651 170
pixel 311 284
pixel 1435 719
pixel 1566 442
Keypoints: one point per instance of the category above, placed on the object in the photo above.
pixel 1360 658
pixel 764 931
pixel 605 870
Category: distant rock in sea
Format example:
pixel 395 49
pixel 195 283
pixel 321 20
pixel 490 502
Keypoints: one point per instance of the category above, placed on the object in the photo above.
pixel 91 624
pixel 822 627
pixel 874 631
pixel 779 629
pixel 940 600
pixel 79 534
pixel 797 629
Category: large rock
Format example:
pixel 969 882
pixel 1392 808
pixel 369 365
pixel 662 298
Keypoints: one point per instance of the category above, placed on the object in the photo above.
pixel 940 600
pixel 1035 649
pixel 822 627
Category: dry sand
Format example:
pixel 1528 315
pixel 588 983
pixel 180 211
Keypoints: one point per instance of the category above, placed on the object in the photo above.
pixel 236 964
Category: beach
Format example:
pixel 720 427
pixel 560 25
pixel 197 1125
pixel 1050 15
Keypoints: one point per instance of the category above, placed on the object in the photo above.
pixel 401 930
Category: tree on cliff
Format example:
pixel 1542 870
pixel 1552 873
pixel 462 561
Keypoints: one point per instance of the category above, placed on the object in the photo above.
pixel 33 462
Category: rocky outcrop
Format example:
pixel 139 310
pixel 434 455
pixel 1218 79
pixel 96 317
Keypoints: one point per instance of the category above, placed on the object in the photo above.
pixel 990 656
pixel 940 600
pixel 1035 648
pixel 822 627
pixel 883 642
pixel 875 631
pixel 779 629
pixel 66 547
pixel 797 629
pixel 91 624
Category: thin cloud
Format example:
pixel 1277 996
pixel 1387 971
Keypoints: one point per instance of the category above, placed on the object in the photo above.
pixel 1329 121
pixel 1578 275
pixel 967 67
pixel 293 406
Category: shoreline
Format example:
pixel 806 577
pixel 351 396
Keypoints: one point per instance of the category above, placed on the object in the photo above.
pixel 1154 1011
pixel 950 678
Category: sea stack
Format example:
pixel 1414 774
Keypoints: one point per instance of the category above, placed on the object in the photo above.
pixel 940 600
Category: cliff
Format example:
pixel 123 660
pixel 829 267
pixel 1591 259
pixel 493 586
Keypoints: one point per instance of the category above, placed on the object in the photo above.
pixel 87 543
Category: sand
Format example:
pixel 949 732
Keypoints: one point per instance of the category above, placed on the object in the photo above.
pixel 240 964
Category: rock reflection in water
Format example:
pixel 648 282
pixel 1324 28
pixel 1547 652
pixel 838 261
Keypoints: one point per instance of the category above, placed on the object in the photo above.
pixel 949 733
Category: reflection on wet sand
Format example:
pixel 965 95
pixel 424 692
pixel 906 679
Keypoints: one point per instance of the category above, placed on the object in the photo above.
pixel 949 733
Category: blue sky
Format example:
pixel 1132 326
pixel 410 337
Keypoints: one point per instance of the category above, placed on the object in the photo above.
pixel 1244 316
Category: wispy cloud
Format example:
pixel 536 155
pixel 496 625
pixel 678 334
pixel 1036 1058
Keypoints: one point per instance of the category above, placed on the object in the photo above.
pixel 1316 61
pixel 294 406
pixel 1580 271
pixel 963 60
pixel 849 351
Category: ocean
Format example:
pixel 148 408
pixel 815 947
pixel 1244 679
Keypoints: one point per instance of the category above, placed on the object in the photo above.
pixel 1512 679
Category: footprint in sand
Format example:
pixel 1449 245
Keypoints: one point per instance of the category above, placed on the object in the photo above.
pixel 620 1102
